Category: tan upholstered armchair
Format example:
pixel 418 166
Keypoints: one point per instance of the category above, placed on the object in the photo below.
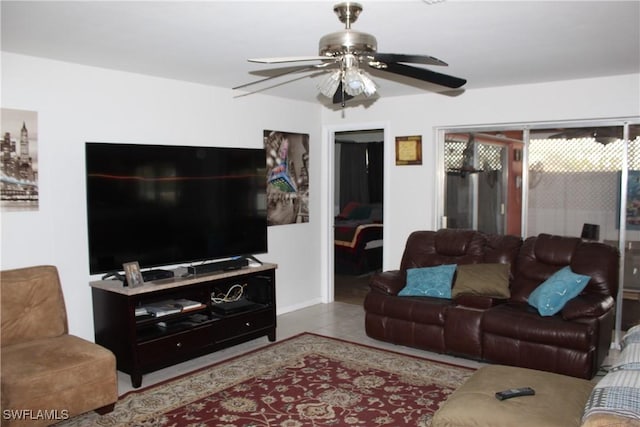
pixel 47 375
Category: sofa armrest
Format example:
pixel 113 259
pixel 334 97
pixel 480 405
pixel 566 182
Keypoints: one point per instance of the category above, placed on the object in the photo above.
pixel 388 282
pixel 587 306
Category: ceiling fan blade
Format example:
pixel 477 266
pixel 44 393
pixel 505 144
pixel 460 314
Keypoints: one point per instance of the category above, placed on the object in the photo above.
pixel 590 132
pixel 289 71
pixel 340 97
pixel 424 74
pixel 290 59
pixel 414 59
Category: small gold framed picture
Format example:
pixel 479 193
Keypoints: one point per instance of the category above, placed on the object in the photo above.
pixel 409 150
pixel 133 274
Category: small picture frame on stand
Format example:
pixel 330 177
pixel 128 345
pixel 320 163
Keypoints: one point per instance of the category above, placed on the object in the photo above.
pixel 133 274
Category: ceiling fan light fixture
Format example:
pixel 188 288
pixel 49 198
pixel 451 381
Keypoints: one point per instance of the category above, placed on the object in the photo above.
pixel 370 86
pixel 329 85
pixel 357 81
pixel 353 83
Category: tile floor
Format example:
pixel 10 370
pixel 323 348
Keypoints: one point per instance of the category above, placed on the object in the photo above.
pixel 337 319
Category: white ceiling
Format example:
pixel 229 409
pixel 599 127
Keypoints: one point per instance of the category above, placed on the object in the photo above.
pixel 490 43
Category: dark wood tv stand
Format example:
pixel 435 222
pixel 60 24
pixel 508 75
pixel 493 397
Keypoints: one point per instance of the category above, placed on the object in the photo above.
pixel 145 343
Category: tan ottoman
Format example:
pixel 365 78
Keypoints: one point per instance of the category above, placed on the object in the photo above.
pixel 559 400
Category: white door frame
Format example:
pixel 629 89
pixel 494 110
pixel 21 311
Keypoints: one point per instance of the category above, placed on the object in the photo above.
pixel 328 170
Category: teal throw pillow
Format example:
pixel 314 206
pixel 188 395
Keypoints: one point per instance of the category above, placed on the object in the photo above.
pixel 429 281
pixel 557 290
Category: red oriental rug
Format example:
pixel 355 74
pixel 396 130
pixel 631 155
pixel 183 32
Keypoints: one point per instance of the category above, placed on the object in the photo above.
pixel 307 380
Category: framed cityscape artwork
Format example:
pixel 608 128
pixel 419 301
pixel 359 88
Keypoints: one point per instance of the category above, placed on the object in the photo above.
pixel 19 160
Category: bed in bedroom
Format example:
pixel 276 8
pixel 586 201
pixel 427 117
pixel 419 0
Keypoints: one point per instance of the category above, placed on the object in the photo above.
pixel 358 239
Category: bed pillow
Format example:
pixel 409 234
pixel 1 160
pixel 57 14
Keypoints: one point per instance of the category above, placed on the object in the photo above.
pixel 347 209
pixel 563 285
pixel 360 212
pixel 489 280
pixel 429 281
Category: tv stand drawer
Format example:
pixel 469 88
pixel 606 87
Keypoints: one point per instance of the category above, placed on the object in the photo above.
pixel 241 324
pixel 174 346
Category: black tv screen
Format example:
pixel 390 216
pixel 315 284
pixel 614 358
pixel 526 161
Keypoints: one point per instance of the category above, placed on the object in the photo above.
pixel 165 205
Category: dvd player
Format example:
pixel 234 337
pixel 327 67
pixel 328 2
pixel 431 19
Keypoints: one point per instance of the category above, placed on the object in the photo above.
pixel 232 307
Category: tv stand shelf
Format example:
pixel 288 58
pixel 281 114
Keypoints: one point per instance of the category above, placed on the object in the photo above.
pixel 143 344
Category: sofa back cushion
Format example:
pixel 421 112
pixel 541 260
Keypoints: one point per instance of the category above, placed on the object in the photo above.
pixel 32 305
pixel 541 256
pixel 502 249
pixel 447 246
pixel 601 262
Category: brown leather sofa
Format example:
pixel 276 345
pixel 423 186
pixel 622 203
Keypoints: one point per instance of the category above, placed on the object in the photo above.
pixel 507 331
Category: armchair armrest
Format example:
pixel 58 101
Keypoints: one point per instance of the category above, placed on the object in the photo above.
pixel 388 282
pixel 587 306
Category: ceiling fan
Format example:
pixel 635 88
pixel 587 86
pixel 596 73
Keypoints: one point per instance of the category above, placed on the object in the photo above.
pixel 347 53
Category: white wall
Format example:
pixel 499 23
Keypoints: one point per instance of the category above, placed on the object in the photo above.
pixel 76 104
pixel 410 198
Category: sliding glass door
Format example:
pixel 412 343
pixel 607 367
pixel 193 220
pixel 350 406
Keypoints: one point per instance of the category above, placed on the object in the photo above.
pixel 566 179
pixel 478 172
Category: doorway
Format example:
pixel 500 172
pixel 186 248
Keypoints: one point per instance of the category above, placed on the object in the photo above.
pixel 358 211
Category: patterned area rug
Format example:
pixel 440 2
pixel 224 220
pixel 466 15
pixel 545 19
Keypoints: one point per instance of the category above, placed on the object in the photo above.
pixel 307 380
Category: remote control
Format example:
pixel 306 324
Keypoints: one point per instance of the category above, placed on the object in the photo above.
pixel 515 392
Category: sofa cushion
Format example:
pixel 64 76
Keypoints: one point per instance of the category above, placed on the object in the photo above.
pixel 541 256
pixel 448 246
pixel 555 250
pixel 600 262
pixel 419 310
pixel 490 280
pixel 44 372
pixel 32 305
pixel 523 323
pixel 477 301
pixel 553 293
pixel 429 281
pixel 502 249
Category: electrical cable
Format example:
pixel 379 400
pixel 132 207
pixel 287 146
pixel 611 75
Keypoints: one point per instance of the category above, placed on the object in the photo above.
pixel 234 293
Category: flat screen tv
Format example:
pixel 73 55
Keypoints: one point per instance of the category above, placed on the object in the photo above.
pixel 168 205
